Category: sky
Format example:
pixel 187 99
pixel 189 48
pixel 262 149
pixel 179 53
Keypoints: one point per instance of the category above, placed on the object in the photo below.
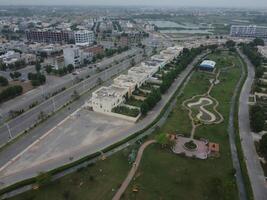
pixel 196 3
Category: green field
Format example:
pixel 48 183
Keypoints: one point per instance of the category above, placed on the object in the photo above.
pixel 163 175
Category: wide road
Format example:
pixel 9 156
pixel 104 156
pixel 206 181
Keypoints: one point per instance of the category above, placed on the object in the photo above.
pixel 41 93
pixel 13 149
pixel 29 118
pixel 255 171
pixel 152 115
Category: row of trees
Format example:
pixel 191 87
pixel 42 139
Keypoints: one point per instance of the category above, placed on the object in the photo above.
pixel 37 79
pixel 185 58
pixel 180 64
pixel 251 51
pixel 153 98
pixel 62 71
pixel 10 93
pixel 257 118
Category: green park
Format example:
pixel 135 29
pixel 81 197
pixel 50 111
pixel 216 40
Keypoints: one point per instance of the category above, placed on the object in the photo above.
pixel 163 174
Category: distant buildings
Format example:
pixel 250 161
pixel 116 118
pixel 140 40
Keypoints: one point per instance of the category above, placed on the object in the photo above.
pixel 10 57
pixel 84 37
pixel 50 36
pixel 248 31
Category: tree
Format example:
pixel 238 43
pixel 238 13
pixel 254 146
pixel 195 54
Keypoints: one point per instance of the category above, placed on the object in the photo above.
pixel 257 118
pixel 38 67
pixel 263 146
pixel 10 92
pixel 70 68
pixel 258 42
pixel 230 44
pixel 15 75
pixel 48 69
pixel 3 81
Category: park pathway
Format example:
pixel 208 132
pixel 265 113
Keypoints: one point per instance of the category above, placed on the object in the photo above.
pixel 131 174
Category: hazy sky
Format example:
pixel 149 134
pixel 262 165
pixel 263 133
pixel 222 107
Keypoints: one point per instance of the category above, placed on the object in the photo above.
pixel 218 3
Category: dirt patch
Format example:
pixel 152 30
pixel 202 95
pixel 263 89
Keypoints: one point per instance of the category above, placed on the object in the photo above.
pixel 27 86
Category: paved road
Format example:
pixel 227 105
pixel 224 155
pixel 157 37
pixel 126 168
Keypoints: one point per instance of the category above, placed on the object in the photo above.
pixel 29 118
pixel 255 171
pixel 83 151
pixel 232 139
pixel 40 94
pixel 10 151
pixel 134 168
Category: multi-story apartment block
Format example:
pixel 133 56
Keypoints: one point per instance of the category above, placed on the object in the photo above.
pixel 84 37
pixel 72 55
pixel 248 31
pixel 50 36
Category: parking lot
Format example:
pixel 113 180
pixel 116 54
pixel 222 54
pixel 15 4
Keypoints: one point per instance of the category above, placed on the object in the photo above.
pixel 83 133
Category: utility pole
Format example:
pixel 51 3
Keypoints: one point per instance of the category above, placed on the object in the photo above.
pixel 54 104
pixel 9 131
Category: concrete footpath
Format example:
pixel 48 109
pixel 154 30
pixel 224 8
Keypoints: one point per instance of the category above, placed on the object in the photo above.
pixel 254 168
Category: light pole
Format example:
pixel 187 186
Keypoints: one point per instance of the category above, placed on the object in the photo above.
pixel 9 131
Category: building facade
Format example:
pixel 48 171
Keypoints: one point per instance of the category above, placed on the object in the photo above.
pixel 248 31
pixel 72 55
pixel 84 37
pixel 44 36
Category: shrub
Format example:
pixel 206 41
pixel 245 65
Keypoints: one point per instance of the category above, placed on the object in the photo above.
pixel 3 81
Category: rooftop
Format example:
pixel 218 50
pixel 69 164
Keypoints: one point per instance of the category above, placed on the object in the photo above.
pixel 208 63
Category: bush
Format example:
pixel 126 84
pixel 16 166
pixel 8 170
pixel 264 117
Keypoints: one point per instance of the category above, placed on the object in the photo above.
pixel 263 146
pixel 3 81
pixel 10 92
pixel 37 79
pixel 132 112
pixel 257 118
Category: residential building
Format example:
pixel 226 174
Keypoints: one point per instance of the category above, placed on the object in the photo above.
pixel 129 81
pixel 49 36
pixel 72 55
pixel 84 37
pixel 248 31
pixel 106 98
pixel 57 62
pixel 10 57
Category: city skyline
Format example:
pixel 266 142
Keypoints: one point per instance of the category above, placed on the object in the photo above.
pixel 167 3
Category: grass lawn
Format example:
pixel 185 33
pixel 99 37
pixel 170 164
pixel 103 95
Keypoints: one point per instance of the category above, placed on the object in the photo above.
pixel 92 183
pixel 162 175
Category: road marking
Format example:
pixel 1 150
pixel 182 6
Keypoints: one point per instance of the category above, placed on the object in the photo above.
pixel 37 141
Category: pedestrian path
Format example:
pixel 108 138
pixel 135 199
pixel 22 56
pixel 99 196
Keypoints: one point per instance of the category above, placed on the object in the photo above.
pixel 131 174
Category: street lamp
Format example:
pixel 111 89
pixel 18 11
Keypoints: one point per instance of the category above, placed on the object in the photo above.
pixel 9 131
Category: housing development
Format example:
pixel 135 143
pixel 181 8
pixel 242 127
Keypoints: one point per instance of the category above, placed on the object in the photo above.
pixel 105 100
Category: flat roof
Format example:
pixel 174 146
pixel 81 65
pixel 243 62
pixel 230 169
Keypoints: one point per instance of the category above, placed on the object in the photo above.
pixel 208 63
pixel 110 92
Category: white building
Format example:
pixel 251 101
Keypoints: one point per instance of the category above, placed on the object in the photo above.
pixel 72 55
pixel 84 37
pixel 248 31
pixel 10 57
pixel 129 81
pixel 106 98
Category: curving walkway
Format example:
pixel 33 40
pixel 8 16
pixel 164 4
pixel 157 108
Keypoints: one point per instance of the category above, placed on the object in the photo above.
pixel 210 100
pixel 131 174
